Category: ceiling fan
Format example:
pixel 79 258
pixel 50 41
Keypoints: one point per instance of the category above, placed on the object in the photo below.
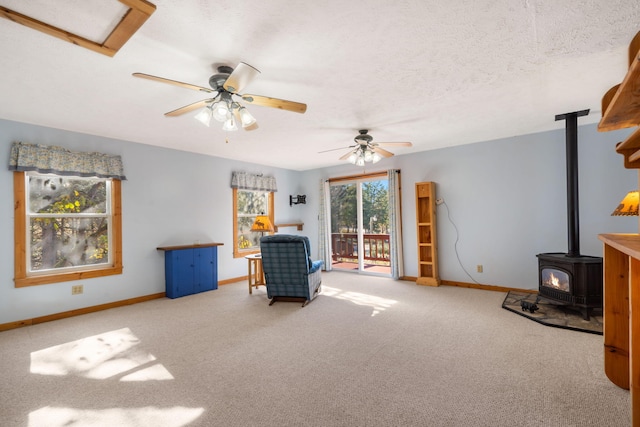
pixel 225 105
pixel 365 150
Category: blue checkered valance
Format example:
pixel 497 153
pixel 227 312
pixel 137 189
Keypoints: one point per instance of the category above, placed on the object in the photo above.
pixel 248 181
pixel 58 160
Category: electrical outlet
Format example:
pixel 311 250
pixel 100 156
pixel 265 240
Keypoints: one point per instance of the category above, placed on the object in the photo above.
pixel 439 201
pixel 77 289
pixel 479 268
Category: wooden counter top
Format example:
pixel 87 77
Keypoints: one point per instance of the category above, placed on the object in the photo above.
pixel 628 244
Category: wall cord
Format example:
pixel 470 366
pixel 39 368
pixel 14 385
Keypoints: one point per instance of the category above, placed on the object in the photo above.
pixel 440 201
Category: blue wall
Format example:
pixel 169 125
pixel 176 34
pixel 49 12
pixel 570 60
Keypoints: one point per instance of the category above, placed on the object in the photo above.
pixel 169 198
pixel 507 199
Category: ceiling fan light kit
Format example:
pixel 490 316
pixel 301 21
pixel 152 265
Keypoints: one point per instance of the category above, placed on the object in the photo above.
pixel 223 107
pixel 367 151
pixel 361 155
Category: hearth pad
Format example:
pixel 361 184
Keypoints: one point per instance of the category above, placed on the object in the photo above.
pixel 551 314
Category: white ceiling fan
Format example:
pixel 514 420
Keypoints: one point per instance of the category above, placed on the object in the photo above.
pixel 226 104
pixel 365 150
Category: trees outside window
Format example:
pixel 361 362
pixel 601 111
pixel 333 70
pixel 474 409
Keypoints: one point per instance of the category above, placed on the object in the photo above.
pixel 248 204
pixel 66 228
pixel 375 207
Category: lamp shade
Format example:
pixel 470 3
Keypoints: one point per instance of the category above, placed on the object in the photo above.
pixel 221 110
pixel 262 224
pixel 230 124
pixel 204 116
pixel 628 206
pixel 245 117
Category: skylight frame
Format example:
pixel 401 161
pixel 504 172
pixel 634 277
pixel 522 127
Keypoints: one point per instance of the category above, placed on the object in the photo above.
pixel 137 14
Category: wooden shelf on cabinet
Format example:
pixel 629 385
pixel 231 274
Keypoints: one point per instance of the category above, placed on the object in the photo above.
pixel 189 246
pixel 298 225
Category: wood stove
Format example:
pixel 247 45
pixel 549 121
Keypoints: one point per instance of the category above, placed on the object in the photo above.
pixel 571 279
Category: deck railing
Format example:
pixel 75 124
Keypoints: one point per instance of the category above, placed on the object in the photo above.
pixel 344 247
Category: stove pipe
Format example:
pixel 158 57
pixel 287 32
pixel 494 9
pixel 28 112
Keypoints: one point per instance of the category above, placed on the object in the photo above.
pixel 573 217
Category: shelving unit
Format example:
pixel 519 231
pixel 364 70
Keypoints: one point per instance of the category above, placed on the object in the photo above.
pixel 621 311
pixel 426 232
pixel 621 108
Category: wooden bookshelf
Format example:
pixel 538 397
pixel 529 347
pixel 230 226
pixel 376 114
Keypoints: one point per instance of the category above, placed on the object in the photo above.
pixel 426 232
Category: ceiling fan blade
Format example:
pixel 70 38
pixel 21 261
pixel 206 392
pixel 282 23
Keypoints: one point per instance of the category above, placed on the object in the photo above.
pixel 383 153
pixel 173 82
pixel 265 101
pixel 335 149
pixel 241 76
pixel 397 144
pixel 190 107
pixel 346 156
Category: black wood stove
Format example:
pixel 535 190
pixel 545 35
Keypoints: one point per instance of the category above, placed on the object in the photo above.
pixel 570 278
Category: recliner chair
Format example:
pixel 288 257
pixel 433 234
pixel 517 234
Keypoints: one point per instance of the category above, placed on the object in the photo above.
pixel 289 272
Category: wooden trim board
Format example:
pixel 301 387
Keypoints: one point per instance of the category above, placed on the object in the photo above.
pixel 138 13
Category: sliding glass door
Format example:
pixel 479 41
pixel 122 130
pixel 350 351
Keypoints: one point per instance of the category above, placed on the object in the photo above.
pixel 360 225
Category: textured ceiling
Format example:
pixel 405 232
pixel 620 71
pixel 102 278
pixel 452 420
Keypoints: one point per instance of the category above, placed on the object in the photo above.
pixel 434 73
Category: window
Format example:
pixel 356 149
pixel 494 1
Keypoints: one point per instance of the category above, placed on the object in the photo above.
pixel 247 204
pixel 66 228
pixel 360 232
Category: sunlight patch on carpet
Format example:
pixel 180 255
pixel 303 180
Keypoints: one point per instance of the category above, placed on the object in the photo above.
pixel 378 304
pixel 149 416
pixel 99 357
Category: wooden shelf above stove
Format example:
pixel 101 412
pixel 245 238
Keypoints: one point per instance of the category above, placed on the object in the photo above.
pixel 621 108
pixel 621 104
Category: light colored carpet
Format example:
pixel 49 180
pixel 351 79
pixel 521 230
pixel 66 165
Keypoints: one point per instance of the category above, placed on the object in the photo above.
pixel 368 351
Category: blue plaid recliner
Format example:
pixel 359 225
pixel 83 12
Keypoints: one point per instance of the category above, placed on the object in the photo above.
pixel 289 272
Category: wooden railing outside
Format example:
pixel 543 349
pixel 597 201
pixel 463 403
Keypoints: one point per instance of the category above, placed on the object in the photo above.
pixel 345 247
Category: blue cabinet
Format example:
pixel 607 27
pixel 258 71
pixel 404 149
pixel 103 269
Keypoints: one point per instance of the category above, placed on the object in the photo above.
pixel 190 269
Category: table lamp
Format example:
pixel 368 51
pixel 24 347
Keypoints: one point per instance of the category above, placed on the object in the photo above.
pixel 262 224
pixel 628 206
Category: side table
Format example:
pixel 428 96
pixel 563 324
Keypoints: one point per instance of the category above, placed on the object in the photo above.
pixel 255 275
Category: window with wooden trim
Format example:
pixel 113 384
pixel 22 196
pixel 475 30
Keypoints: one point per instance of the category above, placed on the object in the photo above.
pixel 247 204
pixel 66 228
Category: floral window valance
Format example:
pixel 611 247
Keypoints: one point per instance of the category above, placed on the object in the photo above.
pixel 247 181
pixel 58 160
